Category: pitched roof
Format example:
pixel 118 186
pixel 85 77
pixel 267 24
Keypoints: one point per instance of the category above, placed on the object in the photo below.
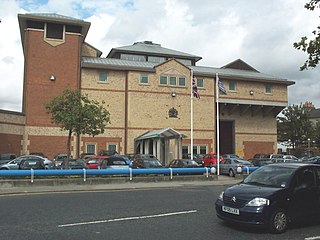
pixel 153 49
pixel 52 18
pixel 168 133
pixel 119 64
pixel 241 65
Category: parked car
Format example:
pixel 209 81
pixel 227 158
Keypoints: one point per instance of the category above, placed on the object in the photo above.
pixel 210 159
pixel 73 164
pixel 272 196
pixel 107 152
pixel 144 156
pixel 114 163
pixel 147 163
pixel 230 166
pixel 6 157
pixel 94 162
pixel 258 162
pixel 183 163
pixel 32 163
pixel 314 160
pixel 14 164
pixel 196 157
pixel 231 155
pixel 86 156
pixel 58 159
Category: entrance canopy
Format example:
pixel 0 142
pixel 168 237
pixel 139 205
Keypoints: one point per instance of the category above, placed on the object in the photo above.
pixel 166 133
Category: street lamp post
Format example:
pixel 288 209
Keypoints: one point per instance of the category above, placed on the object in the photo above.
pixel 309 147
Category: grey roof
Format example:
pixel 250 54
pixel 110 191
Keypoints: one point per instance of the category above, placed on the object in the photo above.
pixel 168 133
pixel 315 113
pixel 52 18
pixel 151 48
pixel 111 63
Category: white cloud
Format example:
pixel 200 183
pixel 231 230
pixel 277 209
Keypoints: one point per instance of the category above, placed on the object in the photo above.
pixel 259 32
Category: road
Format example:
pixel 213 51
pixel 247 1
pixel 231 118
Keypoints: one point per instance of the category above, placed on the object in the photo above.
pixel 150 213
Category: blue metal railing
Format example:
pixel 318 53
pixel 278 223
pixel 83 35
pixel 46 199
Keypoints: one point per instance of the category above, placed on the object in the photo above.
pixel 131 172
pixel 120 172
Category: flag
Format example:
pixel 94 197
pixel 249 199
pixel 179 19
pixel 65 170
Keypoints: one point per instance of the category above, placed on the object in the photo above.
pixel 221 86
pixel 195 89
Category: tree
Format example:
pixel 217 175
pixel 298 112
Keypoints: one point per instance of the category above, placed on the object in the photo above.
pixel 75 113
pixel 312 47
pixel 294 124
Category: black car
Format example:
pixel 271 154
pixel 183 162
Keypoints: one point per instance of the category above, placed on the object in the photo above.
pixel 147 163
pixel 31 163
pixel 273 196
pixel 73 164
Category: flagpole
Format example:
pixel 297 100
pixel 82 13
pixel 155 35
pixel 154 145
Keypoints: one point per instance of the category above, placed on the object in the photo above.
pixel 217 123
pixel 191 114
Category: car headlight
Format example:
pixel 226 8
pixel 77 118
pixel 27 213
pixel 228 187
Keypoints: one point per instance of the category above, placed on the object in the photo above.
pixel 221 196
pixel 258 202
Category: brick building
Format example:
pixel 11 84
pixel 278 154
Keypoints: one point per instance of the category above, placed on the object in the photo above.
pixel 146 88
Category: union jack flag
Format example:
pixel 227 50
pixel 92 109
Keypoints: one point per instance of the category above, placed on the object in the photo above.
pixel 195 92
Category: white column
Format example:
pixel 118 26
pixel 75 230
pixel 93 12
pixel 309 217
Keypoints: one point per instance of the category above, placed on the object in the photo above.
pixel 159 149
pixel 154 148
pixel 176 148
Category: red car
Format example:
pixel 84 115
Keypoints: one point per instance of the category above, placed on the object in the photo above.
pixel 94 162
pixel 210 159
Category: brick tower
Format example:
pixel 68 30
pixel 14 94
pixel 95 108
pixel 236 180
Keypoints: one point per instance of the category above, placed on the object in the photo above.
pixel 52 46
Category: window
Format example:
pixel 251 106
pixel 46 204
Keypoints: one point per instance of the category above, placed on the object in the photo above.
pixel 112 147
pixel 185 151
pixel 163 80
pixel 54 31
pixel 182 81
pixel 200 82
pixel 203 149
pixel 173 81
pixel 91 148
pixel 268 89
pixel 132 57
pixel 102 76
pixel 195 150
pixel 232 85
pixel 156 59
pixel 144 78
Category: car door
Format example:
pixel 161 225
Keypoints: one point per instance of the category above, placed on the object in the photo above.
pixel 306 197
pixel 223 165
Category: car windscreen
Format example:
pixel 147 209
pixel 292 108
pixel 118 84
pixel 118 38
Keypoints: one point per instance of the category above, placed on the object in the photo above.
pixel 271 176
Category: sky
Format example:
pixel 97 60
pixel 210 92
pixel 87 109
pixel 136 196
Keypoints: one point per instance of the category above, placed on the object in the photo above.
pixel 260 32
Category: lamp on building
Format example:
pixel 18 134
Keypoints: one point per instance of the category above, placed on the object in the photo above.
pixel 251 92
pixel 173 94
pixel 52 77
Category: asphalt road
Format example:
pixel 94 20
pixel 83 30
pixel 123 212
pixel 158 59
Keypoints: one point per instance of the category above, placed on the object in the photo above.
pixel 150 213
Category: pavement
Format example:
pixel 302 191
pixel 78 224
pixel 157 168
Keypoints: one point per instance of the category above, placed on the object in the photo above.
pixel 71 184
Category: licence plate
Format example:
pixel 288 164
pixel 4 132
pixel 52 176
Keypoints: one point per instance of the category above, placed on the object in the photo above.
pixel 231 210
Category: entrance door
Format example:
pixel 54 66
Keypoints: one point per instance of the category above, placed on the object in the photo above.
pixel 226 137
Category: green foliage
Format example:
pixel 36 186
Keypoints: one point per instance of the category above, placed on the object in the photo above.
pixel 311 47
pixel 294 124
pixel 75 113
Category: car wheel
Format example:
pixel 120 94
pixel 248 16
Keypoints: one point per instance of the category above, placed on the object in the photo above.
pixel 279 221
pixel 231 173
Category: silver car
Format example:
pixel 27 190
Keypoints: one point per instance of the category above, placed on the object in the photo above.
pixel 230 166
pixel 14 164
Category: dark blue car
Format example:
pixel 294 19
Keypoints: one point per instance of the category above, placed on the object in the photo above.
pixel 273 196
